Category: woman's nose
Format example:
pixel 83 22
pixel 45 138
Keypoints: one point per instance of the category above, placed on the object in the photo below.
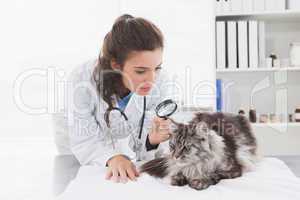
pixel 151 77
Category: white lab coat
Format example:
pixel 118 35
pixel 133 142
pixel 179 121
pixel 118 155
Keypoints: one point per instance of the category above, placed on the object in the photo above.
pixel 81 129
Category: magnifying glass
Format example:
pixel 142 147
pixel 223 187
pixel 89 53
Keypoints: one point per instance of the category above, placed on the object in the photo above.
pixel 166 108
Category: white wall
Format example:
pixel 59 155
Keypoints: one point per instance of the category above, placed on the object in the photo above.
pixel 41 34
pixel 62 34
pixel 52 33
pixel 188 27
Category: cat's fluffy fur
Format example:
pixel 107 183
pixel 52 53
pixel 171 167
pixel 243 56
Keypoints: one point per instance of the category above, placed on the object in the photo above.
pixel 211 147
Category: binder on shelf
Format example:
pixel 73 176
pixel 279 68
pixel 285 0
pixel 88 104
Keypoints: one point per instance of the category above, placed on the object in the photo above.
pixel 262 43
pixel 221 50
pixel 232 44
pixel 226 6
pixel 258 5
pixel 237 6
pixel 242 44
pixel 253 44
pixel 275 5
pixel 281 4
pixel 247 6
pixel 218 6
pixel 293 5
pixel 219 94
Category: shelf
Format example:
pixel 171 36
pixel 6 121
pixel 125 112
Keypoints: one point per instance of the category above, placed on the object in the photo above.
pixel 258 70
pixel 276 125
pixel 285 15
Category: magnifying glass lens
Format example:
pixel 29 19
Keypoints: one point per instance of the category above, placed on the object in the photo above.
pixel 166 108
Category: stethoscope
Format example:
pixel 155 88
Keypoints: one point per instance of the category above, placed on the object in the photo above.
pixel 163 110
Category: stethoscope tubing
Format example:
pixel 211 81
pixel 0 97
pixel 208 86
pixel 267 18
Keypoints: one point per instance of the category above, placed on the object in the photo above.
pixel 159 106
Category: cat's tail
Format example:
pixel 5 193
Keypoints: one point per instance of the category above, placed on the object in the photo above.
pixel 248 152
pixel 158 167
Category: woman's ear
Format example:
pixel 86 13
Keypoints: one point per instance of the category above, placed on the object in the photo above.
pixel 114 65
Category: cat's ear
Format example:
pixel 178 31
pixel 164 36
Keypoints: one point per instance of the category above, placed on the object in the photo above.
pixel 200 117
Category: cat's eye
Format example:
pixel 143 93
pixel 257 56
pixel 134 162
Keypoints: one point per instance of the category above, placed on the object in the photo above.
pixel 202 140
pixel 187 148
pixel 172 146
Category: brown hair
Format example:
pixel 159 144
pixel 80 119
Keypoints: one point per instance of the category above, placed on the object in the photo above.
pixel 128 34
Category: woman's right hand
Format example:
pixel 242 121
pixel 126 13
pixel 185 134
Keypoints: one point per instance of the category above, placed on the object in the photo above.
pixel 120 169
pixel 160 131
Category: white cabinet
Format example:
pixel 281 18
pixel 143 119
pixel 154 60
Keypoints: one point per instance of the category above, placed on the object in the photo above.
pixel 268 90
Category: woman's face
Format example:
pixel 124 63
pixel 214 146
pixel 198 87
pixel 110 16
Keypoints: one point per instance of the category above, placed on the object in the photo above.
pixel 140 70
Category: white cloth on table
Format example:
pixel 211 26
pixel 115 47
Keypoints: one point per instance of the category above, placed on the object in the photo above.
pixel 271 179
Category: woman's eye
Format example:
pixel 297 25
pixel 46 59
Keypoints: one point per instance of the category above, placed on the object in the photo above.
pixel 158 69
pixel 140 72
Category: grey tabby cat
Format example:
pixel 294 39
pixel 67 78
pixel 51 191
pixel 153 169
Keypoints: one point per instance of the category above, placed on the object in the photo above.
pixel 211 147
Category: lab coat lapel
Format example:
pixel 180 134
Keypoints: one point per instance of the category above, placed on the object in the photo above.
pixel 134 109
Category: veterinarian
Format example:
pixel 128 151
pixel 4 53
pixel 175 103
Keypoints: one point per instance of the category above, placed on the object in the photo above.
pixel 110 119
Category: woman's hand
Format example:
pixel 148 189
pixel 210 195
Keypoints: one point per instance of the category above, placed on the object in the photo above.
pixel 160 130
pixel 120 169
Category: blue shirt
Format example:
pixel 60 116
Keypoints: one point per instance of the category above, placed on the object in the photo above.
pixel 122 103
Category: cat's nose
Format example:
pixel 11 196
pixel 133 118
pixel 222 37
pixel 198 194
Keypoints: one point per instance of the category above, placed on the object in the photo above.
pixel 175 155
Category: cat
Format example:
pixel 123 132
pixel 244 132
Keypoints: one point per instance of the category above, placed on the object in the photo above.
pixel 211 147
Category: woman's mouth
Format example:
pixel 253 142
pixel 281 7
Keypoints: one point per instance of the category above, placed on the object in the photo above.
pixel 145 89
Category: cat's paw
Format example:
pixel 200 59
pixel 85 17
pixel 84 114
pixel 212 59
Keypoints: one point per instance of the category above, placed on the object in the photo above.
pixel 178 180
pixel 231 174
pixel 236 174
pixel 215 178
pixel 198 184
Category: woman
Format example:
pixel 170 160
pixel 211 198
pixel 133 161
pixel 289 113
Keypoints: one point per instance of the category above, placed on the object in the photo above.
pixel 110 116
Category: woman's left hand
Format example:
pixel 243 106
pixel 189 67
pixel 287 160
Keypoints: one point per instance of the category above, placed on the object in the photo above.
pixel 160 131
